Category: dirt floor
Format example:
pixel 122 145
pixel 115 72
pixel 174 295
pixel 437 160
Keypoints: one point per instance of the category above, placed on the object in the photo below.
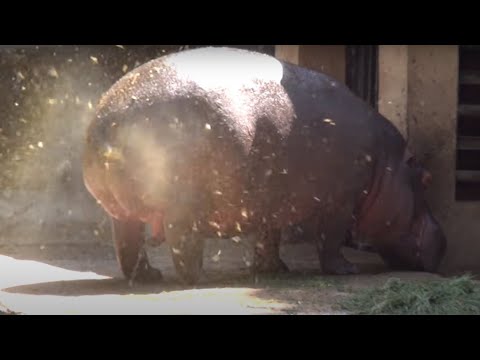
pixel 85 279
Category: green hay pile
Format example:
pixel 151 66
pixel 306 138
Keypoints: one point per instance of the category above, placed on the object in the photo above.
pixel 456 296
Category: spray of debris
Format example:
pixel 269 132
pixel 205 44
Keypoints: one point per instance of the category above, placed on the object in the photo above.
pixel 48 98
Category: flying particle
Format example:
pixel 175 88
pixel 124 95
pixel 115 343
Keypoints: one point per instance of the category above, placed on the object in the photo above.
pixel 53 72
pixel 236 239
pixel 216 258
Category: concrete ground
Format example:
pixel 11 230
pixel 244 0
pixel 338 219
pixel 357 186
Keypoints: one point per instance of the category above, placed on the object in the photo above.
pixel 85 279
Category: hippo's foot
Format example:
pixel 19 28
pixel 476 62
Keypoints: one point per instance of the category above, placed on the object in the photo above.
pixel 190 269
pixel 263 266
pixel 146 274
pixel 339 266
pixel 187 256
pixel 267 253
pixel 332 227
pixel 131 255
pixel 186 246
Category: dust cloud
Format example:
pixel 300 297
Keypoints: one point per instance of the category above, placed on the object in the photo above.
pixel 49 94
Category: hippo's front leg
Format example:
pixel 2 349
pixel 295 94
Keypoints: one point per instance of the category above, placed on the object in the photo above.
pixel 330 240
pixel 129 240
pixel 267 252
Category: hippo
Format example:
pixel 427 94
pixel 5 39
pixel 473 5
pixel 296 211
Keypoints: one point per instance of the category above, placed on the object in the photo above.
pixel 228 142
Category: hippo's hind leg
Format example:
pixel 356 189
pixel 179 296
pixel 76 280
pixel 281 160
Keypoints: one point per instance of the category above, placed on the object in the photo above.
pixel 267 252
pixel 330 239
pixel 129 245
pixel 186 246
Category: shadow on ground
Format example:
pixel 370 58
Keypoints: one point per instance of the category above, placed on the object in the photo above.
pixel 85 280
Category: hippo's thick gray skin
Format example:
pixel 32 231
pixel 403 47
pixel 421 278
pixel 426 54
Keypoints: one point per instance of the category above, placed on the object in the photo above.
pixel 222 142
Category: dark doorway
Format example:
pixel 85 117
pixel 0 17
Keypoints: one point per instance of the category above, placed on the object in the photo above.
pixel 362 72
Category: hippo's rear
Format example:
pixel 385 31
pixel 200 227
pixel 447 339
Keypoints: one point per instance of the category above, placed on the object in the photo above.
pixel 226 142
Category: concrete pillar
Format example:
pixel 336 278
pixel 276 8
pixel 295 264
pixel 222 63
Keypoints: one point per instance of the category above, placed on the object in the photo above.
pixel 418 86
pixel 288 53
pixel 432 113
pixel 432 118
pixel 393 83
pixel 329 59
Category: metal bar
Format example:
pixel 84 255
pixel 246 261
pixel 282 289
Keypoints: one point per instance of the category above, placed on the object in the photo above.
pixel 469 110
pixel 468 143
pixel 470 176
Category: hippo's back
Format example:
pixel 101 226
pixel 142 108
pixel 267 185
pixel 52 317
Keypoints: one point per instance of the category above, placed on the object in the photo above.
pixel 209 71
